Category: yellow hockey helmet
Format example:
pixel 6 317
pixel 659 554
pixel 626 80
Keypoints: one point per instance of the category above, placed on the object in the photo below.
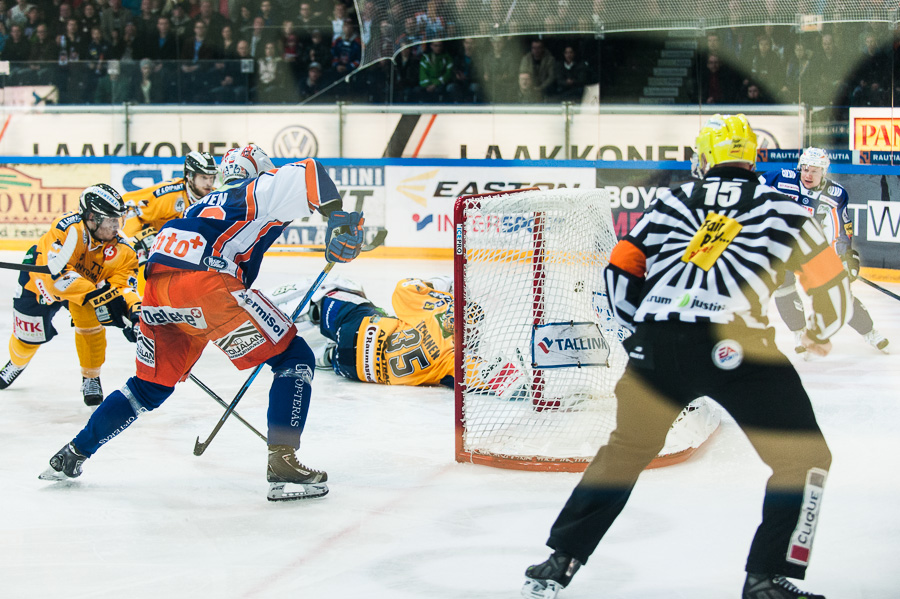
pixel 725 139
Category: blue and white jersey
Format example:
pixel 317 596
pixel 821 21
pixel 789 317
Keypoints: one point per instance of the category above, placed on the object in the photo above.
pixel 230 229
pixel 828 204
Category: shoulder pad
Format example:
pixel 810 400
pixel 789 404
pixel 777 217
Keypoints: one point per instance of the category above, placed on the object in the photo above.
pixel 835 190
pixel 788 173
pixel 67 220
pixel 170 188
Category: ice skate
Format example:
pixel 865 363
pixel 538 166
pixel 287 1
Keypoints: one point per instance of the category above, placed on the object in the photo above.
pixel 92 391
pixel 289 479
pixel 65 465
pixel 10 373
pixel 767 586
pixel 798 342
pixel 325 355
pixel 873 338
pixel 544 580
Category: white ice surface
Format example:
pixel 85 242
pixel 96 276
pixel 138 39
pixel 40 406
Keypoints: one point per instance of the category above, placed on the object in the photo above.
pixel 403 520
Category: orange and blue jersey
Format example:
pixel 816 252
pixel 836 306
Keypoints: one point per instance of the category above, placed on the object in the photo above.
pixel 230 229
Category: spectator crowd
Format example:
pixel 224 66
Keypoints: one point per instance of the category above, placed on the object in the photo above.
pixel 289 51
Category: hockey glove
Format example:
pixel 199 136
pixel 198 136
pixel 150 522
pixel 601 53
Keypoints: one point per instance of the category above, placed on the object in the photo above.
pixel 851 263
pixel 143 241
pixel 110 307
pixel 344 237
pixel 134 330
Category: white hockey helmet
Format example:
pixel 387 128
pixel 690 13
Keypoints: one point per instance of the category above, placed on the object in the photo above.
pixel 244 163
pixel 815 157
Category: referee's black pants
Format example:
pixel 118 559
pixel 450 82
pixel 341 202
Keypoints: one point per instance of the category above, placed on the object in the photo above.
pixel 671 364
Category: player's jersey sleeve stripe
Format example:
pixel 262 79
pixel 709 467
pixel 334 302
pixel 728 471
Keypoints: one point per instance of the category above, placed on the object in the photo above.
pixel 227 236
pixel 241 257
pixel 629 258
pixel 312 184
pixel 251 201
pixel 820 270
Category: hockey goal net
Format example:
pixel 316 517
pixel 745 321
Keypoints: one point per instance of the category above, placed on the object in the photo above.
pixel 538 352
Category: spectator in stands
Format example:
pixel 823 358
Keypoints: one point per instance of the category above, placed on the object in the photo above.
pixel 571 76
pixel 259 36
pixel 767 68
pixel 4 33
pixel 44 55
pixel 717 84
pixel 272 76
pixel 33 19
pixel 872 75
pixel 305 22
pixel 228 43
pixel 411 36
pixel 196 68
pixel 828 72
pixel 127 48
pixel 430 21
pixel 145 21
pixel 319 50
pixel 499 73
pixel 18 14
pixel 116 87
pixel 238 77
pixel 290 44
pixel 753 95
pixel 338 16
pixel 58 26
pixel 435 72
pixel 346 51
pixel 540 64
pixel 96 55
pixel 150 87
pixel 406 76
pixel 797 75
pixel 114 17
pixel 528 94
pixel 90 18
pixel 162 45
pixel 465 86
pixel 313 83
pixel 182 24
pixel 267 12
pixel 214 22
pixel 244 21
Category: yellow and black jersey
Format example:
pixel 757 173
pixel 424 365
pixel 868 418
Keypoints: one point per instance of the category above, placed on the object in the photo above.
pixel 155 206
pixel 413 348
pixel 89 265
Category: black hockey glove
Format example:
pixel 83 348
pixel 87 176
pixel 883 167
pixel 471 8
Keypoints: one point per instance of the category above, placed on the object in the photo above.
pixel 110 307
pixel 143 240
pixel 851 263
pixel 344 238
pixel 132 332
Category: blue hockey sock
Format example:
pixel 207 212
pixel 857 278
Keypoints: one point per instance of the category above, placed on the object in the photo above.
pixel 290 393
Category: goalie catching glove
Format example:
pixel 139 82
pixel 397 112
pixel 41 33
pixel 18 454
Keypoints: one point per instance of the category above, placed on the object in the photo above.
pixel 344 237
pixel 143 241
pixel 850 258
pixel 112 310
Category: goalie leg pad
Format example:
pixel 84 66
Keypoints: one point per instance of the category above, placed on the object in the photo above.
pixel 292 491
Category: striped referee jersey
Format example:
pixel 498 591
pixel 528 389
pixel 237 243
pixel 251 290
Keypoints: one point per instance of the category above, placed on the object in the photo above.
pixel 714 251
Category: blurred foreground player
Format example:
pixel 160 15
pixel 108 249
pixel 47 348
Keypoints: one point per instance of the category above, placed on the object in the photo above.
pixel 93 272
pixel 828 201
pixel 694 278
pixel 198 290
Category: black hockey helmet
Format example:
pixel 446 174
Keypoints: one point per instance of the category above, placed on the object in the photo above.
pixel 199 163
pixel 103 200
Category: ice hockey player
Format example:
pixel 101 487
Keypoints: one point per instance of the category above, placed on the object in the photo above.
pixel 414 347
pixel 93 271
pixel 828 201
pixel 198 290
pixel 152 207
pixel 693 279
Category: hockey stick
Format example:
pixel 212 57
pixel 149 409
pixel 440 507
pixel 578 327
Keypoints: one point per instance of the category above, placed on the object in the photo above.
pixel 199 447
pixel 43 269
pixel 222 403
pixel 879 288
pixel 377 241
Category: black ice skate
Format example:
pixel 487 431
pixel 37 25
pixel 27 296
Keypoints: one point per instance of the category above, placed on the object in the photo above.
pixel 767 586
pixel 65 465
pixel 9 373
pixel 544 580
pixel 289 479
pixel 92 391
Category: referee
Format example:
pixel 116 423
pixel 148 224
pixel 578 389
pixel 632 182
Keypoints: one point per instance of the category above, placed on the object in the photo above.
pixel 693 280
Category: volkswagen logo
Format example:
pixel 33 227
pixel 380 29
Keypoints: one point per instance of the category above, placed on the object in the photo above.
pixel 295 142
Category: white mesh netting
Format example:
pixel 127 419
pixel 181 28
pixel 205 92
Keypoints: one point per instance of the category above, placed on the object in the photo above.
pixel 535 259
pixel 389 26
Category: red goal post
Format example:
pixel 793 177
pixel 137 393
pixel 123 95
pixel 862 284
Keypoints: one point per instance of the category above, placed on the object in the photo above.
pixel 538 353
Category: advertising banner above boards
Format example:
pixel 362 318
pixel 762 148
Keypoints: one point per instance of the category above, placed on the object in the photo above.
pixel 874 129
pixel 375 134
pixel 413 199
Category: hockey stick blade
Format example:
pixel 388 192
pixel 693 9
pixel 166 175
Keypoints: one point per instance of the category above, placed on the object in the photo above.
pixel 879 288
pixel 377 241
pixel 43 269
pixel 200 446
